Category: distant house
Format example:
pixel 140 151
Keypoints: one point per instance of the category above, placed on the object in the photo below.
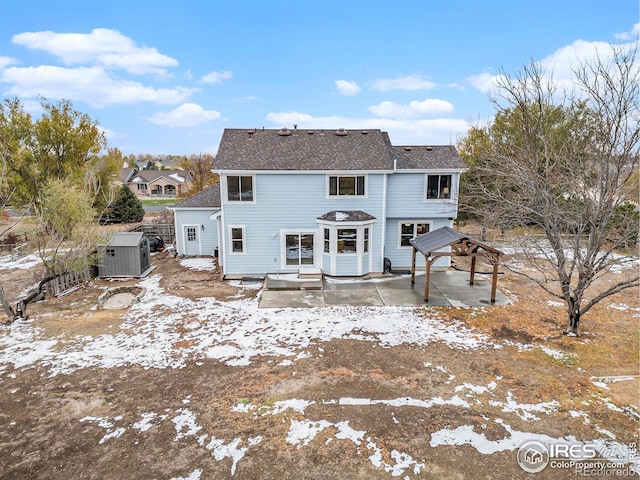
pixel 156 183
pixel 126 255
pixel 196 223
pixel 337 202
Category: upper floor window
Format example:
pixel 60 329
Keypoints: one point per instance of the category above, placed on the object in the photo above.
pixel 240 188
pixel 347 185
pixel 438 187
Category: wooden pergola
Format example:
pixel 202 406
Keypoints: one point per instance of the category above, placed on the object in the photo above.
pixel 432 243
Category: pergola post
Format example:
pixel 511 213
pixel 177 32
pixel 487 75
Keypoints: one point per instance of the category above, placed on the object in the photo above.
pixel 472 275
pixel 413 265
pixel 494 282
pixel 427 278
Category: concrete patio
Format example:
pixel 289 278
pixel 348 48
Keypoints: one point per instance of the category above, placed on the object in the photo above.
pixel 448 288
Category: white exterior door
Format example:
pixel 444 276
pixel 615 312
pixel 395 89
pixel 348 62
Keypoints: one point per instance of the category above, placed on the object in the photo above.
pixel 191 240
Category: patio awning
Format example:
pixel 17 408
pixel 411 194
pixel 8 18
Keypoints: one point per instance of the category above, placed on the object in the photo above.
pixel 459 244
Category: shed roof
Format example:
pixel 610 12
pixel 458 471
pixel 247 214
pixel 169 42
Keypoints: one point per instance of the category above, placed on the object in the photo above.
pixel 126 239
pixel 207 198
pixel 444 237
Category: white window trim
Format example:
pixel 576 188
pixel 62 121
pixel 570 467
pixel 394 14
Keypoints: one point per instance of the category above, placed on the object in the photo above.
pixel 414 222
pixel 283 248
pixel 244 239
pixel 225 194
pixel 333 197
pixel 454 187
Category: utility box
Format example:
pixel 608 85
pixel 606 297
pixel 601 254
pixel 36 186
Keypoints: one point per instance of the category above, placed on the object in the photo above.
pixel 126 255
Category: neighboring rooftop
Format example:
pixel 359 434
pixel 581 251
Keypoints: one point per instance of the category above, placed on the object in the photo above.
pixel 148 176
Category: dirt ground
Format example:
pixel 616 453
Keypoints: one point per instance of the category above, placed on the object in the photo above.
pixel 47 431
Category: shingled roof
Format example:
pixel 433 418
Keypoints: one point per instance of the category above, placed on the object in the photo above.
pixel 208 198
pixel 271 149
pixel 421 157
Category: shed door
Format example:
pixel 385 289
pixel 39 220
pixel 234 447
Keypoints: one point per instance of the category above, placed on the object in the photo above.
pixel 191 242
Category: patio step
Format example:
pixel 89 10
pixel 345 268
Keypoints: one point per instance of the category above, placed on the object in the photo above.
pixel 309 272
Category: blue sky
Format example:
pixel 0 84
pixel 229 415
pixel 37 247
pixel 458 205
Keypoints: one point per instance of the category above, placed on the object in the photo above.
pixel 169 76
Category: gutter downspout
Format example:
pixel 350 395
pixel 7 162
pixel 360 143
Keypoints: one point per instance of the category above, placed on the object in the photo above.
pixel 384 213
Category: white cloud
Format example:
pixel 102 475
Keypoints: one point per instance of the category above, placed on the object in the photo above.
pixel 633 34
pixel 442 131
pixel 216 77
pixel 561 64
pixel 415 108
pixel 411 83
pixel 345 87
pixel 102 46
pixel 186 115
pixel 88 84
pixel 484 82
pixel 6 61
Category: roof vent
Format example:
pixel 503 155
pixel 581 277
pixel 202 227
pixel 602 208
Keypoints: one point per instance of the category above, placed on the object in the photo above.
pixel 310 132
pixel 408 149
pixel 429 149
pixel 364 132
pixel 251 132
pixel 341 132
pixel 284 132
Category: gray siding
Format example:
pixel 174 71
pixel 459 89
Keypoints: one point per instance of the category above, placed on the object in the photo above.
pixel 125 261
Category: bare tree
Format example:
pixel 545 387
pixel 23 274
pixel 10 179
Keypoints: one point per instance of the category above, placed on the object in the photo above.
pixel 562 168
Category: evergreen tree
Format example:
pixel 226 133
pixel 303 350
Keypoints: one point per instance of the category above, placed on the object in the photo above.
pixel 127 208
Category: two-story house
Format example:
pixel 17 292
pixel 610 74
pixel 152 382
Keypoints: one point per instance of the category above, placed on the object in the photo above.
pixel 332 201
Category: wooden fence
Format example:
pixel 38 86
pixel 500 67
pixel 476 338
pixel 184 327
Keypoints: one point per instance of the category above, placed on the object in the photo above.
pixel 166 231
pixel 67 282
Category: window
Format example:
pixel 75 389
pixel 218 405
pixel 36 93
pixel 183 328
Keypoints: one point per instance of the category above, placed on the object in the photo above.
pixel 110 252
pixel 237 239
pixel 240 188
pixel 347 240
pixel 191 234
pixel 409 230
pixel 365 245
pixel 299 249
pixel 438 187
pixel 327 244
pixel 340 185
pixel 142 186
